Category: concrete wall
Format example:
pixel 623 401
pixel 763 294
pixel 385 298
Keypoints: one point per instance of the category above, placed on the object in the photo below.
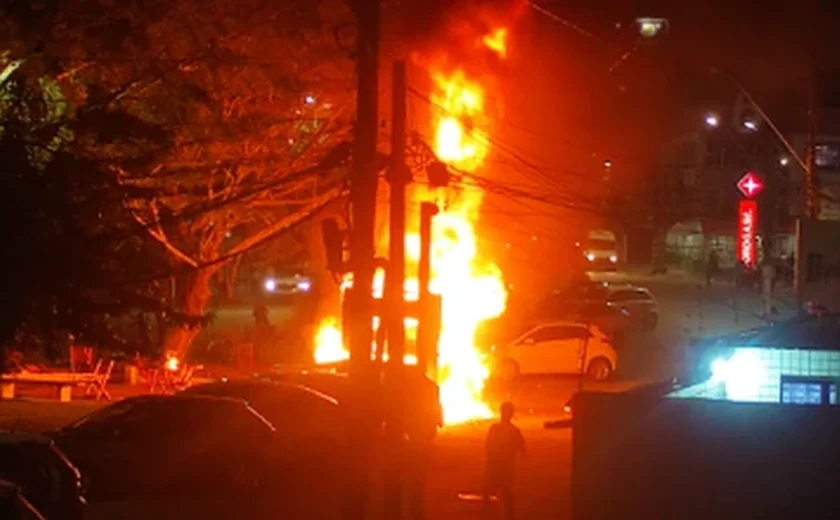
pixel 642 456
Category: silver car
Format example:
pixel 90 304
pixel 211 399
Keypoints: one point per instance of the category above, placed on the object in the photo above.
pixel 636 304
pixel 613 308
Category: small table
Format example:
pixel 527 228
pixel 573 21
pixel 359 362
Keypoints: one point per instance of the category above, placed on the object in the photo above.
pixel 63 381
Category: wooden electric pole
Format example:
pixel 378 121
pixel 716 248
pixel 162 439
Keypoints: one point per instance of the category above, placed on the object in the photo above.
pixel 362 417
pixel 810 194
pixel 398 178
pixel 426 338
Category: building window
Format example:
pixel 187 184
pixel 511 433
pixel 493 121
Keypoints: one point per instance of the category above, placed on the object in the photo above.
pixel 827 156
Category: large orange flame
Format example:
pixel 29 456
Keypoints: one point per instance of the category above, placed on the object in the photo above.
pixel 471 288
pixel 461 100
pixel 497 41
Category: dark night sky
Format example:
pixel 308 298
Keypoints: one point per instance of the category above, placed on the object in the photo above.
pixel 565 110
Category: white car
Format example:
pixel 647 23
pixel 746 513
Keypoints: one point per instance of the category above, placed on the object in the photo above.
pixel 558 347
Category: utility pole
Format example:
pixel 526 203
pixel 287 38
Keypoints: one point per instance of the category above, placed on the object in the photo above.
pixel 426 342
pixel 361 419
pixel 398 178
pixel 811 202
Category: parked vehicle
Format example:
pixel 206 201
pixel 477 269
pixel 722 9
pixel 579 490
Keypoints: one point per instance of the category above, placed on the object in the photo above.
pixel 161 445
pixel 557 347
pixel 44 474
pixel 422 396
pixel 612 308
pixel 296 411
pixel 14 505
pixel 636 304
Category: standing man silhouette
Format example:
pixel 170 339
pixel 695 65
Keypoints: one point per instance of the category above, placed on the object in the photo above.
pixel 504 444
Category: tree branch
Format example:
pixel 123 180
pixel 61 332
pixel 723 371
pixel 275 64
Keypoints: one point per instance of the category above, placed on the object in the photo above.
pixel 159 234
pixel 314 205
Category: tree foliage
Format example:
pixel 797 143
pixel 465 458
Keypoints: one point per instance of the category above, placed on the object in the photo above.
pixel 63 266
pixel 219 124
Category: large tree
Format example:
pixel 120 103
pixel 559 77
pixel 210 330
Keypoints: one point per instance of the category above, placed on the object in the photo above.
pixel 253 97
pixel 70 254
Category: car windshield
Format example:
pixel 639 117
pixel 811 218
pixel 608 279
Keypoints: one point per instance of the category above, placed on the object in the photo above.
pixel 600 244
pixel 290 271
pixel 106 414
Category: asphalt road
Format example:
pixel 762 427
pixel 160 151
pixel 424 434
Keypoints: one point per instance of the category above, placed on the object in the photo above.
pixel 689 309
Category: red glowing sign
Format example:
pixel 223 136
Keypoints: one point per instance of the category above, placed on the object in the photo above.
pixel 750 185
pixel 747 223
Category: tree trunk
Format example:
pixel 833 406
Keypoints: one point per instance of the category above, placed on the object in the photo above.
pixel 196 295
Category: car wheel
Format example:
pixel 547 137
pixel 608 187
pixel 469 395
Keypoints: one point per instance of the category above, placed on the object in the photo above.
pixel 599 369
pixel 509 370
pixel 650 321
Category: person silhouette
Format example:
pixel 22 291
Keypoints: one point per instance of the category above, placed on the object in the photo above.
pixel 712 267
pixel 504 443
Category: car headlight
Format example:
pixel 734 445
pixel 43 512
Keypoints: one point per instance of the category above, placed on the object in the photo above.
pixel 613 259
pixel 590 257
pixel 270 285
pixel 304 285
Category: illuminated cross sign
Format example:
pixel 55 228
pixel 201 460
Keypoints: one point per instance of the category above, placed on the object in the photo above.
pixel 750 185
pixel 747 222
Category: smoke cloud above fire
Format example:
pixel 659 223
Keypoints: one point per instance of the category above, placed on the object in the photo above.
pixel 457 26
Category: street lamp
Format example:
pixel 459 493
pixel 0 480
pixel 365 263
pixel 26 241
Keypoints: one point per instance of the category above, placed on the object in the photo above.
pixel 712 120
pixel 763 117
pixel 784 161
pixel 651 27
pixel 750 125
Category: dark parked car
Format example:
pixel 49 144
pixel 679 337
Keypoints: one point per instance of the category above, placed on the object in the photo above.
pixel 46 477
pixel 160 445
pixel 316 400
pixel 422 408
pixel 15 506
pixel 203 450
pixel 297 412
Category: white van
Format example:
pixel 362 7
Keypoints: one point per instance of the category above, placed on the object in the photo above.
pixel 600 250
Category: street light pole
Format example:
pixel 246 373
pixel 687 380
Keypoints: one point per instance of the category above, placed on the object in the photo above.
pixel 764 117
pixel 811 205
